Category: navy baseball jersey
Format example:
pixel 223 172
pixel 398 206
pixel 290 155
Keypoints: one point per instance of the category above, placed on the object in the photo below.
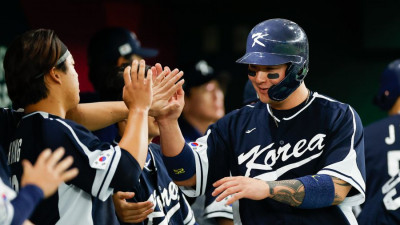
pixel 382 156
pixel 155 185
pixel 102 167
pixel 321 136
pixel 8 123
pixel 189 132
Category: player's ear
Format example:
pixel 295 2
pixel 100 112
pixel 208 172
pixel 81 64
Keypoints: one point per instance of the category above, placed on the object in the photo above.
pixel 54 75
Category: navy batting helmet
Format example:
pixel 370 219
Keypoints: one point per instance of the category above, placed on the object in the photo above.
pixel 275 42
pixel 389 89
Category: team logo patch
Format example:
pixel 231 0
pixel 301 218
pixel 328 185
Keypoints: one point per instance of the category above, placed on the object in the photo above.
pixel 315 177
pixel 179 171
pixel 125 49
pixel 102 160
pixel 195 146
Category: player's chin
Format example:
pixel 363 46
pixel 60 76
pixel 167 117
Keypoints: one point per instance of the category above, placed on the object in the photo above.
pixel 264 98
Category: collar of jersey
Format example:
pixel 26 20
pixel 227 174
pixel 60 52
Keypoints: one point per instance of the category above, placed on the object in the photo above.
pixel 290 113
pixel 44 114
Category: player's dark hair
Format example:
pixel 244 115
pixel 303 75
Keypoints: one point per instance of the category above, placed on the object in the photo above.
pixel 31 54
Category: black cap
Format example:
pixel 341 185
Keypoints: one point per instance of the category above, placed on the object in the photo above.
pixel 389 89
pixel 197 73
pixel 107 45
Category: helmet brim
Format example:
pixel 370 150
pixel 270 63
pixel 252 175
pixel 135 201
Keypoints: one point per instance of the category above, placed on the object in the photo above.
pixel 268 59
pixel 146 52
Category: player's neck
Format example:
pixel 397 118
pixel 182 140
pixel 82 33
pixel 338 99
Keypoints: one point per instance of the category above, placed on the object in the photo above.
pixel 50 105
pixel 296 98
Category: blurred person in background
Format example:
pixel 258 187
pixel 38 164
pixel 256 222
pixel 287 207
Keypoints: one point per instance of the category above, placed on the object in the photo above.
pixel 108 50
pixel 382 154
pixel 204 105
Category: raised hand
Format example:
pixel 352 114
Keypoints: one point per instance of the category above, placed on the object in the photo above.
pixel 48 171
pixel 131 212
pixel 137 93
pixel 165 86
pixel 174 108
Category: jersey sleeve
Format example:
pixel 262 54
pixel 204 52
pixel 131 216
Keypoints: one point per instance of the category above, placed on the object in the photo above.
pixel 25 203
pixel 214 209
pixel 344 156
pixel 6 208
pixel 15 209
pixel 97 161
pixel 210 155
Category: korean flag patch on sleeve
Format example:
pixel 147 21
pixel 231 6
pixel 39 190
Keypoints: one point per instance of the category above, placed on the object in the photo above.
pixel 102 160
pixel 196 146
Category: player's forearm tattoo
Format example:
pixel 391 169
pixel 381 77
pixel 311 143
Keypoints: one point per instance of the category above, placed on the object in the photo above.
pixel 290 192
pixel 338 198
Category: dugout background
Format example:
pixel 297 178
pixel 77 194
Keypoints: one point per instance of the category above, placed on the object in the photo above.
pixel 351 42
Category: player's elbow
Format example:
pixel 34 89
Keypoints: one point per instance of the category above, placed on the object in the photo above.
pixel 339 198
pixel 342 189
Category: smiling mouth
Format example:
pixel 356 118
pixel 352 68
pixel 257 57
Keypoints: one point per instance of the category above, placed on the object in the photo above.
pixel 263 90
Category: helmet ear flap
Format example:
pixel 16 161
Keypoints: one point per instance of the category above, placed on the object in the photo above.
pixel 294 76
pixel 302 72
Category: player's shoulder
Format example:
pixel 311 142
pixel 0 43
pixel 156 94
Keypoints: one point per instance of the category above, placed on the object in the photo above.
pixel 46 118
pixel 53 124
pixel 328 102
pixel 10 114
pixel 333 107
pixel 382 123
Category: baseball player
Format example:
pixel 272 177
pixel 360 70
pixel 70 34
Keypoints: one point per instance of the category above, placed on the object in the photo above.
pixel 41 78
pixel 296 156
pixel 382 154
pixel 154 185
pixel 91 115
